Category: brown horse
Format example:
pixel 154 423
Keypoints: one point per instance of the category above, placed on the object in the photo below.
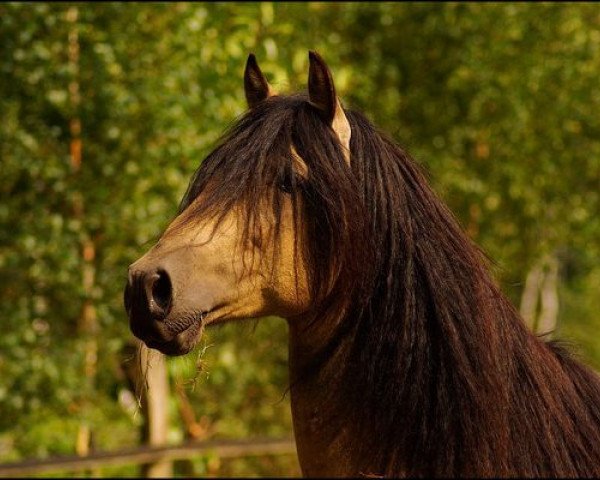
pixel 405 357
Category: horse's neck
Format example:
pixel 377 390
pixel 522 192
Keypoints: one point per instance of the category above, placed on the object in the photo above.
pixel 329 445
pixel 323 437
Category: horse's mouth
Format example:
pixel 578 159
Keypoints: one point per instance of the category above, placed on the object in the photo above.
pixel 170 337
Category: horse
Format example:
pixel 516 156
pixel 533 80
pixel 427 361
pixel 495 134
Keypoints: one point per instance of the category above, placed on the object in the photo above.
pixel 405 357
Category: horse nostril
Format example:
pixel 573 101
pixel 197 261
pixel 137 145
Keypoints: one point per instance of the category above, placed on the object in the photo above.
pixel 148 296
pixel 161 293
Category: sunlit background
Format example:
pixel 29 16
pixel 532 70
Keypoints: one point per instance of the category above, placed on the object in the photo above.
pixel 107 109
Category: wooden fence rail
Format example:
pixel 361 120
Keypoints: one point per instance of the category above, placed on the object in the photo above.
pixel 146 454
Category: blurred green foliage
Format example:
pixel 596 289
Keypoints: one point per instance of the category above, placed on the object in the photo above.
pixel 498 102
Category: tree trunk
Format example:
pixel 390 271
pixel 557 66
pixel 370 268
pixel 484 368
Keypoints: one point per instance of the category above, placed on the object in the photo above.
pixel 146 372
pixel 530 295
pixel 86 323
pixel 549 299
pixel 539 301
pixel 157 408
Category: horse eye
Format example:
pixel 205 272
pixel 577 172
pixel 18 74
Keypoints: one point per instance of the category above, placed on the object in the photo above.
pixel 286 182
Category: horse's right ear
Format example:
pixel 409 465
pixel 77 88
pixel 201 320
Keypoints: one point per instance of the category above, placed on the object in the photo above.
pixel 322 96
pixel 255 84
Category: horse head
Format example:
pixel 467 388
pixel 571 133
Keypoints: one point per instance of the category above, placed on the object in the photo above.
pixel 237 248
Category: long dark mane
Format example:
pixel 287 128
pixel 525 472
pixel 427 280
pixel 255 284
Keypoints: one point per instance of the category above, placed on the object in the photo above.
pixel 439 364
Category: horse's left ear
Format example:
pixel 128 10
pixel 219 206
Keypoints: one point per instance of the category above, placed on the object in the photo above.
pixel 256 86
pixel 321 94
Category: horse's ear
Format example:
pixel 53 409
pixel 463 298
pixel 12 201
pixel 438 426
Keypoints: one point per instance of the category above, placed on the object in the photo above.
pixel 256 86
pixel 321 94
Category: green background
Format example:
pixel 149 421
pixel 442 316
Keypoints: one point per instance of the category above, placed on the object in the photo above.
pixel 498 102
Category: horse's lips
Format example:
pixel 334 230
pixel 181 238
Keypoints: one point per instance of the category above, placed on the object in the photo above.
pixel 173 340
pixel 181 343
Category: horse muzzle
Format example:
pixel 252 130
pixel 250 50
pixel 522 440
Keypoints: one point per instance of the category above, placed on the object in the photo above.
pixel 148 299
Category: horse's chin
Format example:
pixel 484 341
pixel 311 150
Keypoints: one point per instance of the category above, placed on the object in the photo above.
pixel 183 343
